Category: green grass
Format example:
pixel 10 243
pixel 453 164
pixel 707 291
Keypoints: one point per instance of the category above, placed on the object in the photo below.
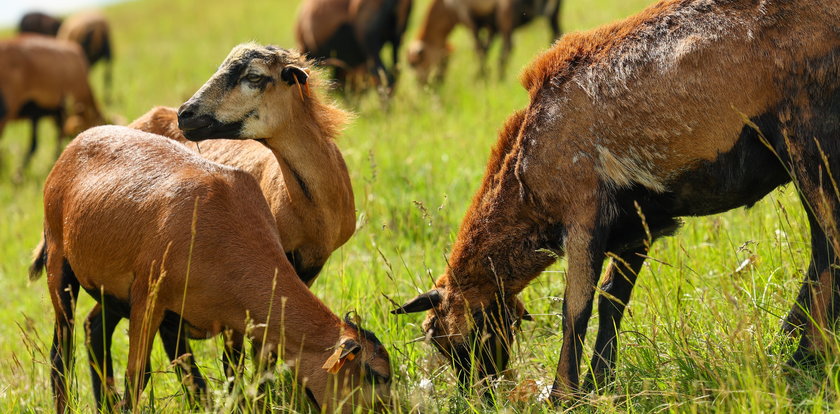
pixel 699 336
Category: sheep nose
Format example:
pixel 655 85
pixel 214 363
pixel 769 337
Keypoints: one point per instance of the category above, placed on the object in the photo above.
pixel 188 120
pixel 186 111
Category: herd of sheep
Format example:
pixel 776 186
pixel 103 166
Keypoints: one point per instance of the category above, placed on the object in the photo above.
pixel 689 108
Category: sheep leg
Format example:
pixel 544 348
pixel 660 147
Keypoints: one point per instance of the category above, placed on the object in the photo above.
pixel 99 330
pixel 812 138
pixel 554 20
pixel 505 16
pixel 232 358
pixel 59 126
pixel 372 45
pixel 144 322
pixel 265 357
pixel 620 278
pixel 817 307
pixel 33 142
pixel 396 41
pixel 481 47
pixel 177 347
pixel 585 249
pixel 441 70
pixel 64 289
pixel 797 316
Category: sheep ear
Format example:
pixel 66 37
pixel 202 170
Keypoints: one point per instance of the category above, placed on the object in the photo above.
pixel 292 74
pixel 521 312
pixel 527 316
pixel 347 351
pixel 421 303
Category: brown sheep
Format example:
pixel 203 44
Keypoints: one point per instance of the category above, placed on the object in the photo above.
pixel 37 22
pixel 267 94
pixel 169 232
pixel 91 30
pixel 428 54
pixel 350 34
pixel 42 76
pixel 302 175
pixel 690 108
pixel 313 220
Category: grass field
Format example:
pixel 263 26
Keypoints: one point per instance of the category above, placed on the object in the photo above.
pixel 701 333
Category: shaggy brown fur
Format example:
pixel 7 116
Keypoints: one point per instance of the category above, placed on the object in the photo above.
pixel 661 111
pixel 428 54
pixel 128 240
pixel 40 76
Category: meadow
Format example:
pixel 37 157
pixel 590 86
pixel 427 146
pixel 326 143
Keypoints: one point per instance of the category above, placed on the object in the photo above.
pixel 702 329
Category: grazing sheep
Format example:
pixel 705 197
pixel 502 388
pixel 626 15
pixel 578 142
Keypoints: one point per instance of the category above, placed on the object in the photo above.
pixel 690 108
pixel 350 34
pixel 300 171
pixel 166 232
pixel 43 76
pixel 428 54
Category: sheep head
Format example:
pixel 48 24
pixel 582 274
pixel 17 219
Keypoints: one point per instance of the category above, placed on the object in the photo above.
pixel 251 95
pixel 427 60
pixel 469 326
pixel 358 369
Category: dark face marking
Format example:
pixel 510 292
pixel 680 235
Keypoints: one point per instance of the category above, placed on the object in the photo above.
pixel 368 335
pixel 373 377
pixel 487 346
pixel 370 375
pixel 206 127
pixel 237 68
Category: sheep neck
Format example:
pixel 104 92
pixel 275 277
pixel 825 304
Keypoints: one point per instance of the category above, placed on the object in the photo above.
pixel 312 166
pixel 438 23
pixel 303 330
pixel 493 247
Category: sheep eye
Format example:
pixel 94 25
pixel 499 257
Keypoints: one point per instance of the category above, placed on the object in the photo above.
pixel 254 78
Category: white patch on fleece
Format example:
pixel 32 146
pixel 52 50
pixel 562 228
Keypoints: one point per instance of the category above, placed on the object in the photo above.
pixel 623 172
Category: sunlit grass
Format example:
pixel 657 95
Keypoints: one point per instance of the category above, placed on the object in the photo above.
pixel 700 334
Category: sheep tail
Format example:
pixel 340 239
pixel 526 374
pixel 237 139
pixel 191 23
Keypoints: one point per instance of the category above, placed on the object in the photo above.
pixel 39 259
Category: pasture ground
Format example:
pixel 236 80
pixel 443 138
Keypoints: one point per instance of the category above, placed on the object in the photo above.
pixel 701 333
